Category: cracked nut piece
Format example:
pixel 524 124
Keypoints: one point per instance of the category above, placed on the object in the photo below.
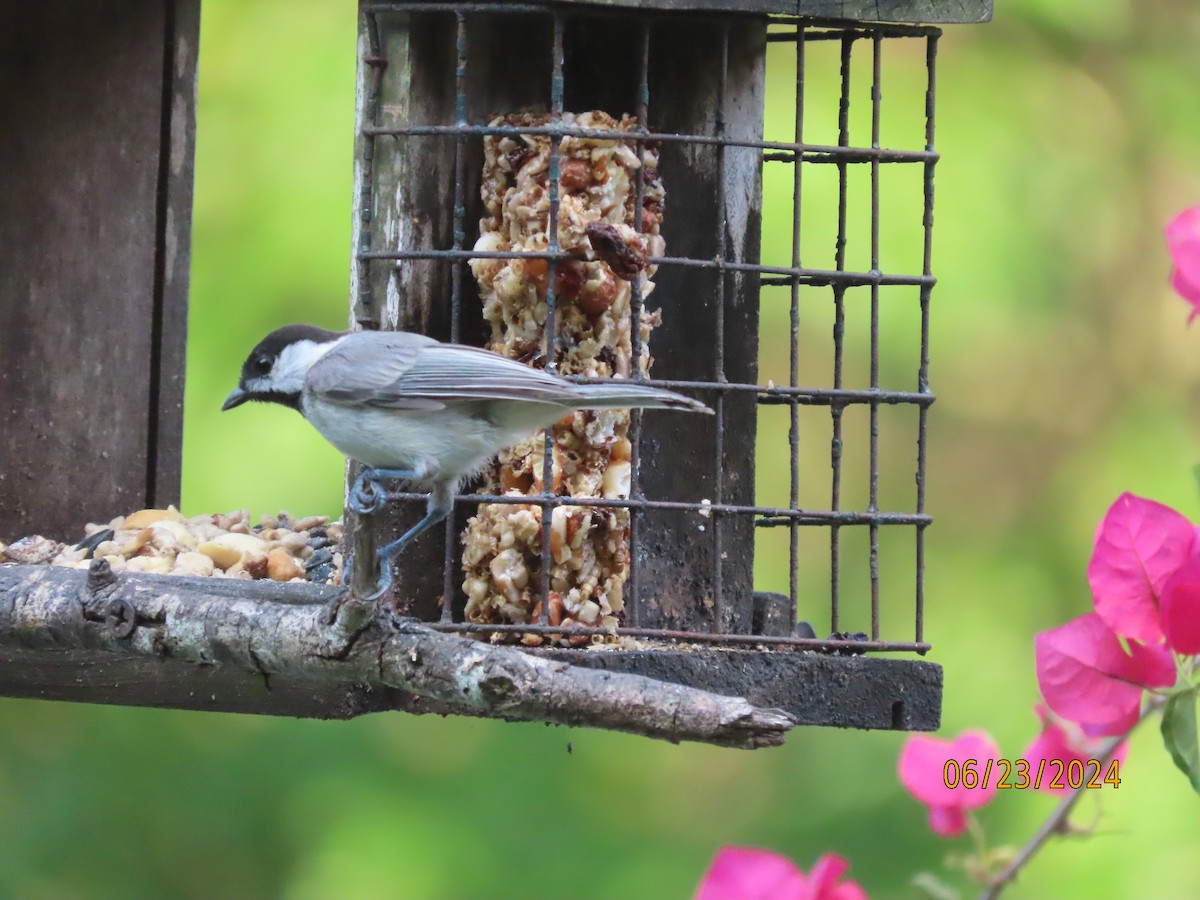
pixel 255 565
pixel 155 565
pixel 281 566
pixel 575 175
pixel 598 293
pixel 33 550
pixel 230 549
pixel 509 574
pixel 615 484
pixel 144 518
pixel 192 563
pixel 170 535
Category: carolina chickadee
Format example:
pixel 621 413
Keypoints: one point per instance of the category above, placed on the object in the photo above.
pixel 412 408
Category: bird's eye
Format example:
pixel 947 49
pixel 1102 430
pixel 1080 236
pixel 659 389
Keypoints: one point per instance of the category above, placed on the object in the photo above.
pixel 261 365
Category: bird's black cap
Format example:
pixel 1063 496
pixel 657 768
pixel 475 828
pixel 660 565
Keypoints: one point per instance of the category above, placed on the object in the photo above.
pixel 263 356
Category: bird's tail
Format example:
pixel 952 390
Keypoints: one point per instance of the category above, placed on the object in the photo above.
pixel 627 395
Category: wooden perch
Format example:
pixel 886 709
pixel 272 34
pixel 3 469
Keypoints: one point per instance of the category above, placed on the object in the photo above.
pixel 319 640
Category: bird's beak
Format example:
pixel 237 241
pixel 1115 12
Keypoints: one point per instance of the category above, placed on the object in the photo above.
pixel 236 398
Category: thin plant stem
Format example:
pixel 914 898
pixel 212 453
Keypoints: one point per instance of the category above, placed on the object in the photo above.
pixel 1058 819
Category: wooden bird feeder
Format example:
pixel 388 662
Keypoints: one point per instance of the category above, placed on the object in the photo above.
pixel 457 104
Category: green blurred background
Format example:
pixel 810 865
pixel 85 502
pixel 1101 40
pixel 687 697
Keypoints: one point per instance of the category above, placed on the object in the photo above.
pixel 1064 373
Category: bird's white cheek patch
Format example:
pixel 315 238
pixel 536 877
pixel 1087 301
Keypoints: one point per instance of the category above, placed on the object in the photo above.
pixel 293 364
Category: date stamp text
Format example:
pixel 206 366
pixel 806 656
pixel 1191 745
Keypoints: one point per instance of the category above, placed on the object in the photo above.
pixel 1020 774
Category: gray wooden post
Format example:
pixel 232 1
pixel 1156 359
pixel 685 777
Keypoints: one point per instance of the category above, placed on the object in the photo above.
pixel 97 130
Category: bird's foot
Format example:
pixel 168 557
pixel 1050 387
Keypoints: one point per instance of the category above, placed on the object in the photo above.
pixel 366 496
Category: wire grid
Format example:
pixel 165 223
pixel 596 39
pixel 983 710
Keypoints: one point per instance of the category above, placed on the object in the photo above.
pixel 797 31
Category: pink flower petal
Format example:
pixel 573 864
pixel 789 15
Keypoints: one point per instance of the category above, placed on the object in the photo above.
pixel 827 870
pixel 1183 242
pixel 1180 605
pixel 924 771
pixel 744 873
pixel 1113 728
pixel 1139 545
pixel 1052 743
pixel 922 768
pixel 823 881
pixel 1065 741
pixel 1086 676
pixel 1185 225
pixel 947 821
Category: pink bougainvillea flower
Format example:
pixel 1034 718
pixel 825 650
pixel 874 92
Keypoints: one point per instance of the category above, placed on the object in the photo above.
pixel 1065 741
pixel 1086 676
pixel 923 772
pixel 1180 608
pixel 1183 242
pixel 824 882
pixel 1139 545
pixel 743 873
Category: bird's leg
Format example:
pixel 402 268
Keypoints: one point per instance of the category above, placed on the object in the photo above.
pixel 367 495
pixel 439 506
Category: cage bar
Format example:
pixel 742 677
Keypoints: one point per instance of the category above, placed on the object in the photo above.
pixel 839 330
pixel 873 502
pixel 923 371
pixel 794 343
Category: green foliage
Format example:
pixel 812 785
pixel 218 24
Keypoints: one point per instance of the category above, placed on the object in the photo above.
pixel 1064 374
pixel 1179 735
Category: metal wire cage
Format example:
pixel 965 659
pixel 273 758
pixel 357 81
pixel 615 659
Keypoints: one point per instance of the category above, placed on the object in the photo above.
pixel 432 74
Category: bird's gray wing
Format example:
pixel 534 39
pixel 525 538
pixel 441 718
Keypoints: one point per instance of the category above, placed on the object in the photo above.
pixel 365 367
pixel 450 372
pixel 405 371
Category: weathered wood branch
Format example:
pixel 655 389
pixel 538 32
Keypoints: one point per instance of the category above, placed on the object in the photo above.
pixel 323 639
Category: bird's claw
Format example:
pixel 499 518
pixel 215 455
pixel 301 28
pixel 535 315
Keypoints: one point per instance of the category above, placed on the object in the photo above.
pixel 385 580
pixel 366 496
pixel 381 587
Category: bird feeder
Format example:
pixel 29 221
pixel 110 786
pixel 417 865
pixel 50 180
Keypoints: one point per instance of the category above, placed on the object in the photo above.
pixel 476 121
pixel 576 184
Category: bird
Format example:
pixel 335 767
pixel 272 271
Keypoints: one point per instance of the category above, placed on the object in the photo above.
pixel 412 408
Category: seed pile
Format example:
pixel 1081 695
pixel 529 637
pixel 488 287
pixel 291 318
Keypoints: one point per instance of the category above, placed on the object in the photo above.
pixel 591 457
pixel 165 542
